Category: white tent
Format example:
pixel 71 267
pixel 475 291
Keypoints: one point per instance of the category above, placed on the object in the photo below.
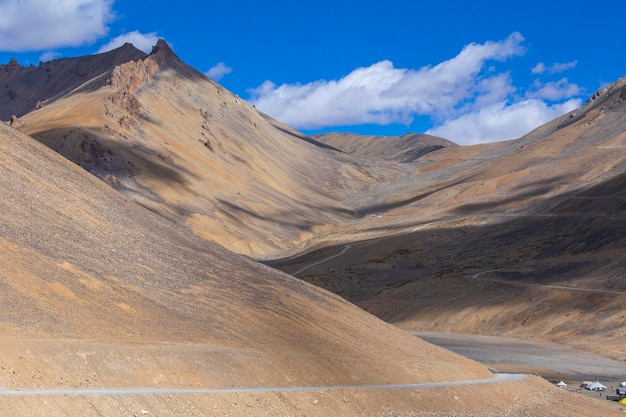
pixel 596 386
pixel 561 384
pixel 623 384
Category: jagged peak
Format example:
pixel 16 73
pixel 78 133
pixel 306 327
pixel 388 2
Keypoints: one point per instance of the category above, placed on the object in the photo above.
pixel 163 53
pixel 12 65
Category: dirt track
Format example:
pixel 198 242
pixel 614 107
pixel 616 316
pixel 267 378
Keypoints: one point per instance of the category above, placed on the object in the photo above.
pixel 498 378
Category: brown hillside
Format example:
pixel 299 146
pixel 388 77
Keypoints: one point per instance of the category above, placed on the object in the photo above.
pixel 100 293
pixel 548 208
pixel 87 271
pixel 405 148
pixel 186 148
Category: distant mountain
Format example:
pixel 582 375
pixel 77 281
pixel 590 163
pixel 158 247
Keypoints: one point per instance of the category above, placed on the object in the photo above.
pixel 405 148
pixel 123 267
pixel 24 89
pixel 548 209
pixel 185 147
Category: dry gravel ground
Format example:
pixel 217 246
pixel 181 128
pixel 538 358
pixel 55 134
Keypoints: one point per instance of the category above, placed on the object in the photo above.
pixel 86 270
pixel 99 292
pixel 548 208
pixel 530 398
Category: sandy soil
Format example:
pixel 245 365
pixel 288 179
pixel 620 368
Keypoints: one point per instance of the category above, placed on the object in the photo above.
pixel 85 364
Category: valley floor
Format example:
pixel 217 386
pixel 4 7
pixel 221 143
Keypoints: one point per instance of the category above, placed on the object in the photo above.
pixel 550 360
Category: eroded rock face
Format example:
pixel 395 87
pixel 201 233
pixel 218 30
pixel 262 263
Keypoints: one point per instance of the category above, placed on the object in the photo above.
pixel 130 76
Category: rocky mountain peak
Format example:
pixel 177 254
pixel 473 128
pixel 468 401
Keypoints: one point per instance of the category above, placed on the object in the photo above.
pixel 163 54
pixel 13 65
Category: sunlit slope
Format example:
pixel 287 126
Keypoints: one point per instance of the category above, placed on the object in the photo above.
pixel 82 263
pixel 188 149
pixel 548 208
pixel 98 292
pixel 406 148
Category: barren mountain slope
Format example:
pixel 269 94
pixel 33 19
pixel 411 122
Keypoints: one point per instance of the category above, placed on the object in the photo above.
pixel 99 292
pixel 188 149
pixel 548 208
pixel 405 148
pixel 24 89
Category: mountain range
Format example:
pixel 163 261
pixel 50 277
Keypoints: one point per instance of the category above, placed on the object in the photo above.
pixel 149 216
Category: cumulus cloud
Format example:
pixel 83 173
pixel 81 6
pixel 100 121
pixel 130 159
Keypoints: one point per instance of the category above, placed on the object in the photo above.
pixel 38 25
pixel 502 121
pixel 554 90
pixel 465 97
pixel 218 71
pixel 555 68
pixel 383 94
pixel 141 41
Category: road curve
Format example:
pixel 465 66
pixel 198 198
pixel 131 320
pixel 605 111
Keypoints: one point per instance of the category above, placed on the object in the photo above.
pixel 304 268
pixel 476 277
pixel 348 247
pixel 497 378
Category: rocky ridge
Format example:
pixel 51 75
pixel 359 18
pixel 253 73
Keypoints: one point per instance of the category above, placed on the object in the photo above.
pixel 218 165
pixel 25 89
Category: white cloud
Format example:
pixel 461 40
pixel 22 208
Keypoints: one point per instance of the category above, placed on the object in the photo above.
pixel 218 71
pixel 501 121
pixel 466 97
pixel 141 41
pixel 540 68
pixel 554 90
pixel 383 94
pixel 37 25
pixel 555 68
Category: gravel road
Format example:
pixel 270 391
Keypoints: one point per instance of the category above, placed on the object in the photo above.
pixel 260 390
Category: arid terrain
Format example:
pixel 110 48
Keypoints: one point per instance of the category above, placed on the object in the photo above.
pixel 545 209
pixel 139 197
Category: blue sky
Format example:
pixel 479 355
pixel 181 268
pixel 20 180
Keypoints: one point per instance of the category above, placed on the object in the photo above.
pixel 471 72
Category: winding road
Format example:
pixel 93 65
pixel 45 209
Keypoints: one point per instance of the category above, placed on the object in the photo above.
pixel 348 247
pixel 476 277
pixel 432 337
pixel 519 352
pixel 304 268
pixel 497 378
